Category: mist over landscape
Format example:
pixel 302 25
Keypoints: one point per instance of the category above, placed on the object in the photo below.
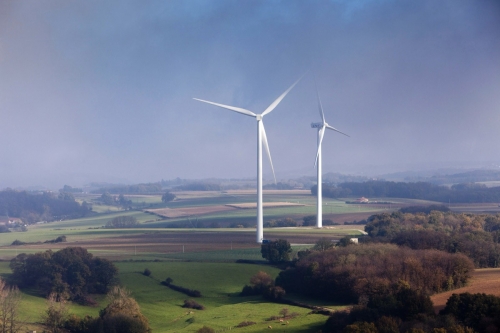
pixel 103 91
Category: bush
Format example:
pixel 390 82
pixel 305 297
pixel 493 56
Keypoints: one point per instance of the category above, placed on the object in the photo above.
pixel 246 323
pixel 189 292
pixel 192 304
pixel 205 329
pixel 274 293
pixel 146 272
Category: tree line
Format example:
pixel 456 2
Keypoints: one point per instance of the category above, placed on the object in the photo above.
pixel 465 193
pixel 131 189
pixel 46 206
pixel 199 187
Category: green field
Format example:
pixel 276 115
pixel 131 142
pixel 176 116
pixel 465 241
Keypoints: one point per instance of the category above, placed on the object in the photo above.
pixel 219 284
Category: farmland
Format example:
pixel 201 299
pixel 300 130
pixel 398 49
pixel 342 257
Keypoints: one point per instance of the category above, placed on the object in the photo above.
pixel 198 258
pixel 195 255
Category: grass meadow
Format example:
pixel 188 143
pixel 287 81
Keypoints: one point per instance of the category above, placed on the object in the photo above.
pixel 219 284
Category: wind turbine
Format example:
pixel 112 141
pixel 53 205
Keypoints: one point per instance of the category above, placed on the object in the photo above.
pixel 321 133
pixel 261 138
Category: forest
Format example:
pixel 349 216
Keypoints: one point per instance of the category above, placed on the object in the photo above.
pixel 390 274
pixel 46 206
pixel 344 274
pixel 477 236
pixel 463 193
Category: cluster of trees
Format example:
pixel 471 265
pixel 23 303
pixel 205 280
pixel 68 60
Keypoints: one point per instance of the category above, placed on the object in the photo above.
pixel 407 310
pixel 310 220
pixel 122 221
pixel 107 199
pixel 331 191
pixel 70 189
pixel 344 274
pixel 466 177
pixel 150 188
pixel 468 192
pixel 47 206
pixel 72 273
pixel 199 187
pixel 477 236
pixel 424 209
pixel 263 284
pixel 480 312
pixel 121 315
pixel 471 192
pixel 167 197
pixel 276 251
pixel 280 223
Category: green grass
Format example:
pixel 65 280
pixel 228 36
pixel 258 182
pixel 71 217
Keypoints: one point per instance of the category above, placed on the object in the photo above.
pixel 219 284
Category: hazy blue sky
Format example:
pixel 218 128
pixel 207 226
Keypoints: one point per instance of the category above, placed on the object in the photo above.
pixel 102 90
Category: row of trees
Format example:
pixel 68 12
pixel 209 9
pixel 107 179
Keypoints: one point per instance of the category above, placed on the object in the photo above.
pixel 199 187
pixel 46 206
pixel 71 273
pixel 131 189
pixel 122 221
pixel 470 192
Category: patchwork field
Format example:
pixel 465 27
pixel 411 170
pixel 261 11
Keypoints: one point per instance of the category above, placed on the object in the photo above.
pixel 199 257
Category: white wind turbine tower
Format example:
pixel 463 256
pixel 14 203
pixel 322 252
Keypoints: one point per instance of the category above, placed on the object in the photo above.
pixel 321 133
pixel 261 138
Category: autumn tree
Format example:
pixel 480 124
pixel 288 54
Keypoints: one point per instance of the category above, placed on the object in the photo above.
pixel 56 314
pixel 122 314
pixel 323 244
pixel 10 298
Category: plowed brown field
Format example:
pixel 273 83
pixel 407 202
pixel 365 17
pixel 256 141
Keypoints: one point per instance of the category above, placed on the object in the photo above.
pixel 486 280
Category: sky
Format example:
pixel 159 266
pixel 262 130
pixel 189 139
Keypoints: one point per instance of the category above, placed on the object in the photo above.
pixel 103 90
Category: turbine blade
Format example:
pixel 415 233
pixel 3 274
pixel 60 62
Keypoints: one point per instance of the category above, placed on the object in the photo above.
pixel 320 106
pixel 321 136
pixel 336 130
pixel 278 100
pixel 266 145
pixel 232 108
